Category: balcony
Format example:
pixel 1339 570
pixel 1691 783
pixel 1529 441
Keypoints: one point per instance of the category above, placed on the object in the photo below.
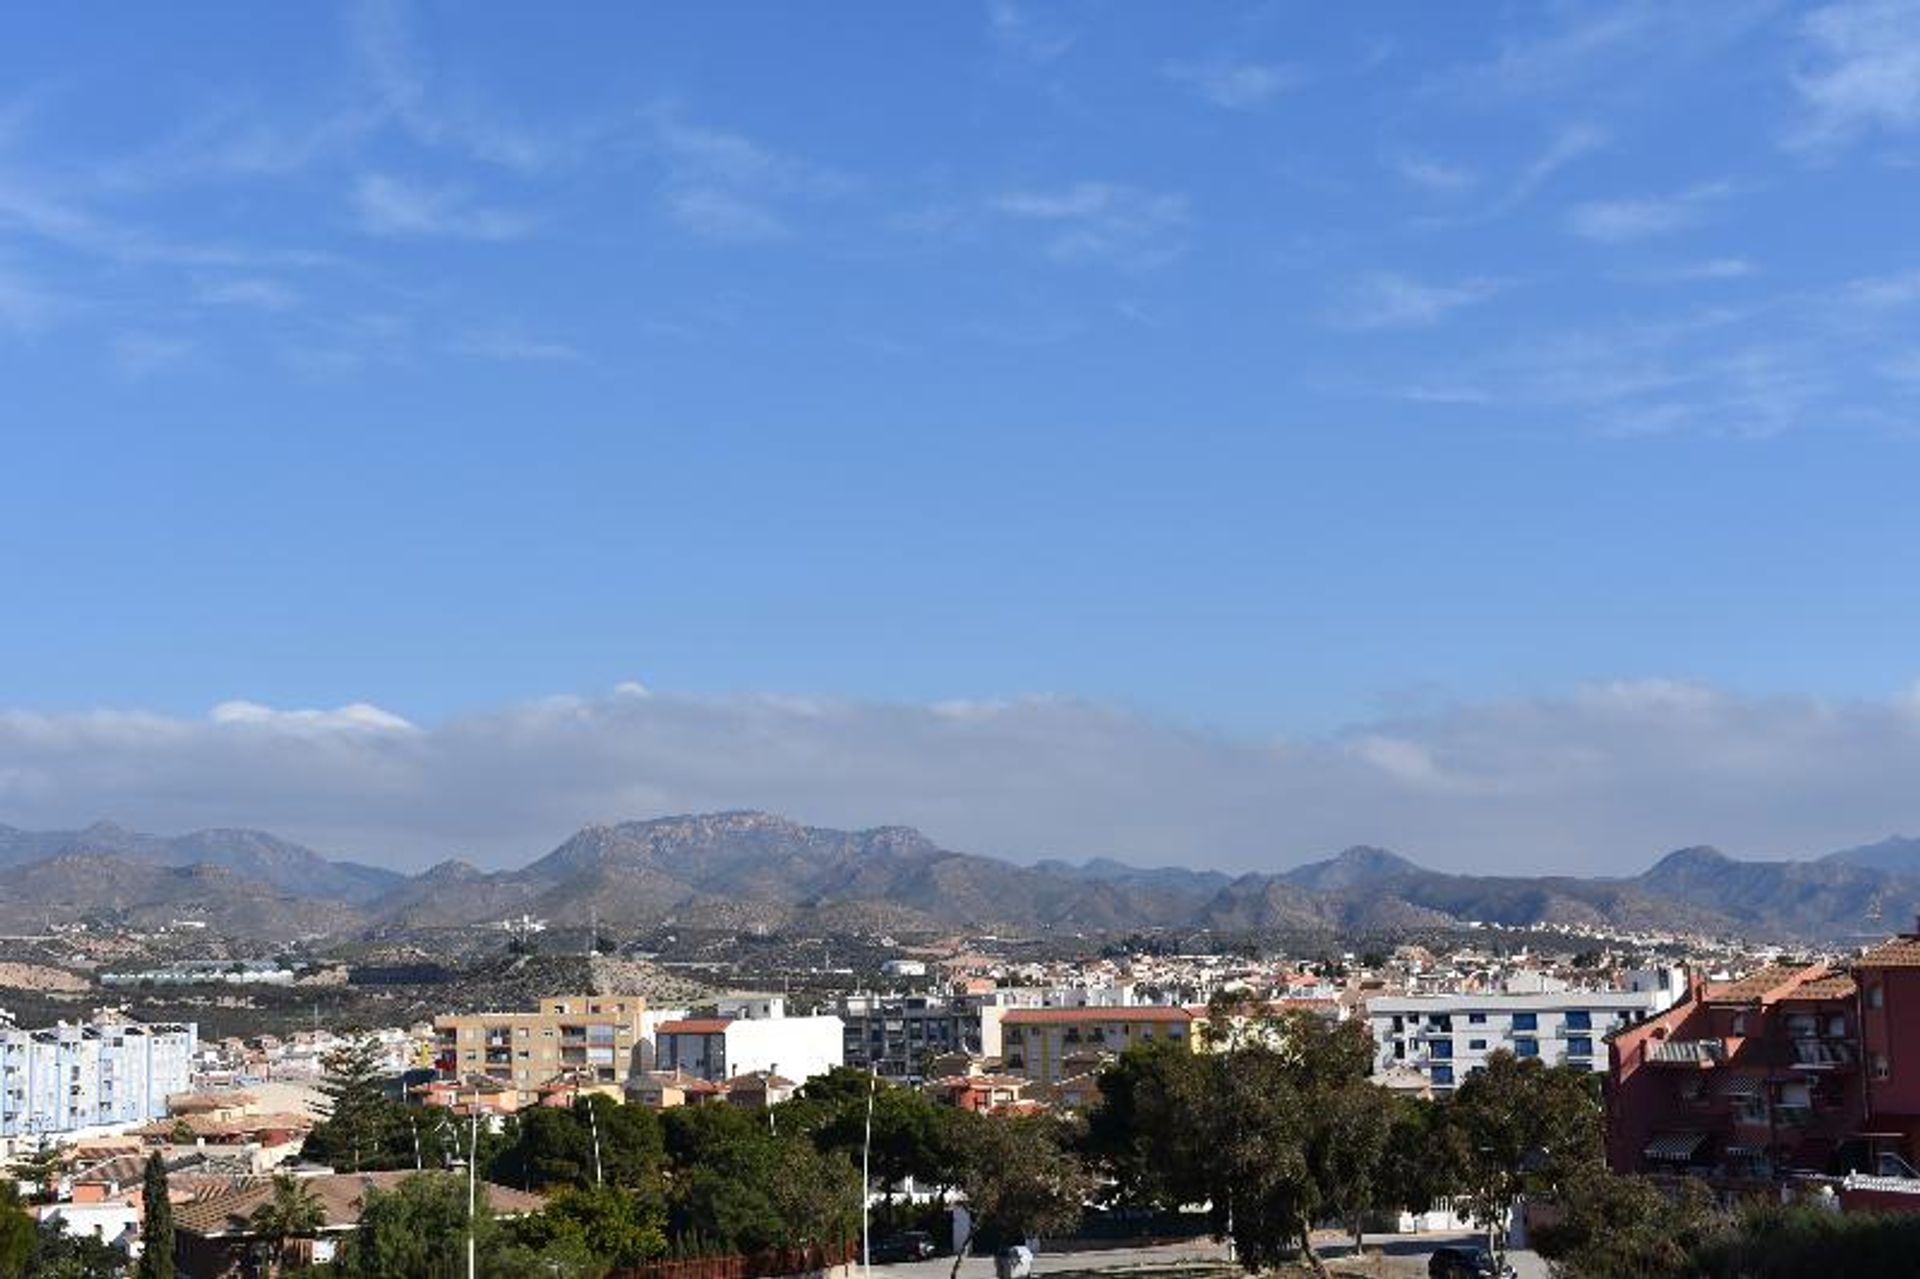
pixel 1692 1054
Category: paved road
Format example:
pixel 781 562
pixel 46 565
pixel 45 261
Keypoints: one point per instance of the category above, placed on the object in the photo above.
pixel 1409 1252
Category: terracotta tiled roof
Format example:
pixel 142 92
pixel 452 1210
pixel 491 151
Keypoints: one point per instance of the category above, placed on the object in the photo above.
pixel 1086 1016
pixel 340 1196
pixel 1900 952
pixel 239 1126
pixel 1832 986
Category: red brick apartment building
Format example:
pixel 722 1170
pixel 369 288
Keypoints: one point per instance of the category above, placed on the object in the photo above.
pixel 1787 1071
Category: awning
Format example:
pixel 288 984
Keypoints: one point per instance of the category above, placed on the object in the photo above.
pixel 1674 1147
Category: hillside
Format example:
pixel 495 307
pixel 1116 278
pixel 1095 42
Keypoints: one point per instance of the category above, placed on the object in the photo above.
pixel 756 871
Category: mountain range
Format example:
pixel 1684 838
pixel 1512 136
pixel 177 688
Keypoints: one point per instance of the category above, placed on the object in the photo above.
pixel 751 870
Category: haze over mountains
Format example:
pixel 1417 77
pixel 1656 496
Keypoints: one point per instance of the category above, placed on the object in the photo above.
pixel 739 870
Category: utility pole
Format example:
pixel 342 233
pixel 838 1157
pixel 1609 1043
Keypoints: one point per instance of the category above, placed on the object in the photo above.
pixel 866 1184
pixel 473 1160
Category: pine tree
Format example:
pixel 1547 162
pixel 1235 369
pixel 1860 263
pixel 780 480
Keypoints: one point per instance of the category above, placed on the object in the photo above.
pixel 360 1116
pixel 156 1223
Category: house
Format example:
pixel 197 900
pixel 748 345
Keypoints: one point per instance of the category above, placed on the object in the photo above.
pixel 979 1091
pixel 214 1236
pixel 759 1089
pixel 665 1089
pixel 1887 978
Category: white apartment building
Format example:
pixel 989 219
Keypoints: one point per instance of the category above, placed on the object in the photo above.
pixel 751 1034
pixel 74 1079
pixel 1445 1038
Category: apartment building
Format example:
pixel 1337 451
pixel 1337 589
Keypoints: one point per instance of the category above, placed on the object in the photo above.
pixel 72 1078
pixel 747 1036
pixel 896 1035
pixel 598 1038
pixel 1445 1038
pixel 1047 1045
pixel 1744 1081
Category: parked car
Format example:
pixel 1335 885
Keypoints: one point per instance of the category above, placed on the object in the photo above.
pixel 1465 1262
pixel 908 1245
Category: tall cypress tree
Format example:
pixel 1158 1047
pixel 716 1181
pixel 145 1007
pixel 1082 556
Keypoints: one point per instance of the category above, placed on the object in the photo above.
pixel 156 1223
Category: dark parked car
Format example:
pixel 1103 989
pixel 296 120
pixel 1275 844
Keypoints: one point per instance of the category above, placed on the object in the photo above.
pixel 909 1245
pixel 1465 1263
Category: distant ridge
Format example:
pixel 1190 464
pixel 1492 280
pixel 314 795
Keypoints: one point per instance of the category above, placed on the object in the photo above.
pixel 753 870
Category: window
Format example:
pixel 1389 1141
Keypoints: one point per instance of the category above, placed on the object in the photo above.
pixel 1738 1026
pixel 1876 996
pixel 1882 1068
pixel 1579 1019
pixel 1477 1045
pixel 1476 1019
pixel 1526 1021
pixel 1526 1048
pixel 1443 1076
pixel 1580 1046
pixel 1443 1050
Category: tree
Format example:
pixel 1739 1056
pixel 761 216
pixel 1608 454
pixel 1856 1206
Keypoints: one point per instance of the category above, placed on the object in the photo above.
pixel 16 1233
pixel 291 1213
pixel 1522 1125
pixel 554 1145
pixel 411 1231
pixel 362 1122
pixel 1616 1227
pixel 614 1226
pixel 1274 1131
pixel 724 1168
pixel 156 1223
pixel 60 1255
pixel 817 1195
pixel 1346 1152
pixel 1019 1175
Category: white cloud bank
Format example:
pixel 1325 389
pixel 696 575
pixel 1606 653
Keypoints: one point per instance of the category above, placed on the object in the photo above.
pixel 1599 781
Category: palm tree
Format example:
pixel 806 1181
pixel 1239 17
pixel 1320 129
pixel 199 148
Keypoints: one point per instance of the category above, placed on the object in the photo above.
pixel 291 1213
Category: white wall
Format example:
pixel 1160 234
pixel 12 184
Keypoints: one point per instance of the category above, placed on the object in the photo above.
pixel 796 1047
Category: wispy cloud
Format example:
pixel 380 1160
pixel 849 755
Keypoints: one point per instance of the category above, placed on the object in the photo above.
pixel 1102 220
pixel 141 354
pixel 1431 174
pixel 257 292
pixel 1020 34
pixel 1898 288
pixel 1862 72
pixel 406 94
pixel 26 307
pixel 717 214
pixel 1618 221
pixel 512 346
pixel 31 207
pixel 1237 86
pixel 391 206
pixel 1389 300
pixel 1731 268
pixel 723 185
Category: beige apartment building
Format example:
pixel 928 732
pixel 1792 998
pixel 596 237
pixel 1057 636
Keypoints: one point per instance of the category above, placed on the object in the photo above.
pixel 586 1037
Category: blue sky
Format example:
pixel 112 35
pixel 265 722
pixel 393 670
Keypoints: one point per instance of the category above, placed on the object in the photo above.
pixel 1265 371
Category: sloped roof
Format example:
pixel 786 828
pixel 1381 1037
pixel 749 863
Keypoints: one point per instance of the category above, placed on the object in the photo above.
pixel 1900 952
pixel 694 1026
pixel 340 1196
